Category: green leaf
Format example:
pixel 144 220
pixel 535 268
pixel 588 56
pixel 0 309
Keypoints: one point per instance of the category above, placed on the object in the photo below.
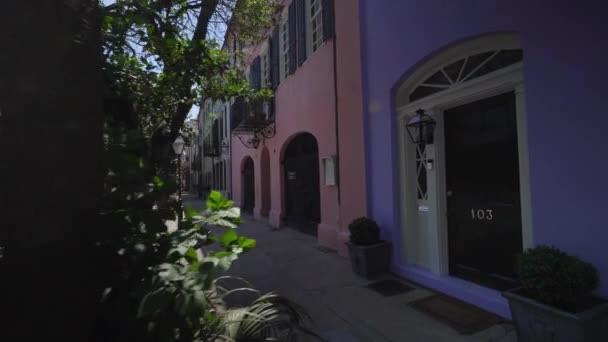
pixel 222 254
pixel 246 244
pixel 226 261
pixel 158 182
pixel 153 302
pixel 209 263
pixel 190 213
pixel 179 250
pixel 195 266
pixel 191 254
pixel 169 272
pixel 231 213
pixel 215 200
pixel 228 237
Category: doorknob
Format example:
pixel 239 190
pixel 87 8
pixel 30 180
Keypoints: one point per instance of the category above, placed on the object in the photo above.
pixel 450 193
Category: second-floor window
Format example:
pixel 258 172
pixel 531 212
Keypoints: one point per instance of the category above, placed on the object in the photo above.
pixel 315 25
pixel 284 46
pixel 266 82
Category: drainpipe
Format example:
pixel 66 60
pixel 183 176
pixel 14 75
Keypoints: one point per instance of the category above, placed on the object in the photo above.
pixel 335 62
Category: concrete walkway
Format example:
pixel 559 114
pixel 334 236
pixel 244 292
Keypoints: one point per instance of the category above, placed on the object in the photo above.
pixel 343 309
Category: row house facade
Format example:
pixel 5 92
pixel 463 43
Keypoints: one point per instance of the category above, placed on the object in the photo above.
pixel 214 143
pixel 517 159
pixel 286 152
pixel 192 159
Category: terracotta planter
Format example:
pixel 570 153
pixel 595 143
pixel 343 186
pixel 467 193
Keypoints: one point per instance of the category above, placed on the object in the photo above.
pixel 538 322
pixel 370 261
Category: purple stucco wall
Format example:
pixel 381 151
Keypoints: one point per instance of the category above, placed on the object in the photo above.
pixel 565 72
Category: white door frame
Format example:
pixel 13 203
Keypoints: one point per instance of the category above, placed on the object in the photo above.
pixel 501 81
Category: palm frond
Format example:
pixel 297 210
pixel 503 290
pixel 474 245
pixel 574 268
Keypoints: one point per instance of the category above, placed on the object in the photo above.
pixel 269 317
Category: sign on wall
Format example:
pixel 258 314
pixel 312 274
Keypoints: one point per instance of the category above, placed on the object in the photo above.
pixel 329 169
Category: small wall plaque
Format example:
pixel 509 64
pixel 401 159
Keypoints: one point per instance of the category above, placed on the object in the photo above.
pixel 423 208
pixel 329 170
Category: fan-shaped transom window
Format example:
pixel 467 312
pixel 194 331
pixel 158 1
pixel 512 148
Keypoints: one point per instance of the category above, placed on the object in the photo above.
pixel 464 70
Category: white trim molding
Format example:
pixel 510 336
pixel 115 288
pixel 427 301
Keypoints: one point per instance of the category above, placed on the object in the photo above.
pixel 425 237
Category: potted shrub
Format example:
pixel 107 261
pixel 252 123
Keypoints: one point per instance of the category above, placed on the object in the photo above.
pixel 369 255
pixel 555 301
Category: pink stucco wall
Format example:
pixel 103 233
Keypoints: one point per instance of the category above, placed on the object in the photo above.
pixel 305 102
pixel 353 202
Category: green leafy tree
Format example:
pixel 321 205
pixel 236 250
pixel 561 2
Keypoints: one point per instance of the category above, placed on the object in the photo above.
pixel 163 56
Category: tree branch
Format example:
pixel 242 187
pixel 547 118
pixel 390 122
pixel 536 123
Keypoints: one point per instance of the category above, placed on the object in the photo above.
pixel 190 59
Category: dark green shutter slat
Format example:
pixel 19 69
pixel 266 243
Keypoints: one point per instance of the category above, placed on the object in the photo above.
pixel 255 74
pixel 270 66
pixel 292 38
pixel 274 59
pixel 329 19
pixel 272 107
pixel 301 26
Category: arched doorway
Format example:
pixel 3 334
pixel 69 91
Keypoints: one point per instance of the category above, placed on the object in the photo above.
pixel 301 179
pixel 475 170
pixel 265 182
pixel 248 186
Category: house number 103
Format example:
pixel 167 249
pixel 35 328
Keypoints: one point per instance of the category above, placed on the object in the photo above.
pixel 482 214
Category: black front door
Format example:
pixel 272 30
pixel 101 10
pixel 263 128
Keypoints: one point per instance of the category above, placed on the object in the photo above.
pixel 482 173
pixel 248 187
pixel 302 197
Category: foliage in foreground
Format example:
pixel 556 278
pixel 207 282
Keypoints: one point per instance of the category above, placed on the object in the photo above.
pixel 166 284
pixel 161 281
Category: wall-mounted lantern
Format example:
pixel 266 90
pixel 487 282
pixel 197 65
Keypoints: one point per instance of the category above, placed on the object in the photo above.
pixel 421 128
pixel 178 148
pixel 178 145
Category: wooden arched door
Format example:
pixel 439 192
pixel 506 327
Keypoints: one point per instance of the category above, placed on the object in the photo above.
pixel 248 186
pixel 302 195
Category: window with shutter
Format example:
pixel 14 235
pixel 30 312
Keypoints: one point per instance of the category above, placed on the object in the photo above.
pixel 284 47
pixel 266 81
pixel 275 57
pixel 294 36
pixel 302 30
pixel 265 56
pixel 255 74
pixel 315 27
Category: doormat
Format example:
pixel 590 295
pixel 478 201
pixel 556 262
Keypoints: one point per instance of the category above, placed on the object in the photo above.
pixel 460 316
pixel 389 287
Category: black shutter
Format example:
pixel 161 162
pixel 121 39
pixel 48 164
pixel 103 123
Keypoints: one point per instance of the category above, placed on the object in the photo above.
pixel 329 20
pixel 215 138
pixel 255 76
pixel 269 65
pixel 301 15
pixel 292 37
pixel 273 105
pixel 274 59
